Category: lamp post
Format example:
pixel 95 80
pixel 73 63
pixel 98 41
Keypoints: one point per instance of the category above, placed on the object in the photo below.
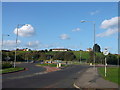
pixel 94 35
pixel 16 43
pixel 80 53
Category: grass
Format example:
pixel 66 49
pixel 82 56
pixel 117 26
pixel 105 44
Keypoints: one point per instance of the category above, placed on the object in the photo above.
pixel 8 70
pixel 85 55
pixel 45 64
pixel 112 74
pixel 51 65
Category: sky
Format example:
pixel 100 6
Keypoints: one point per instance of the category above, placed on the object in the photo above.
pixel 46 25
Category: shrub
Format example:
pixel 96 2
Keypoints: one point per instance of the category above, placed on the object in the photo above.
pixel 6 65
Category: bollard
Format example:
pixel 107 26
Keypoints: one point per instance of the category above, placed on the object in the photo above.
pixel 59 64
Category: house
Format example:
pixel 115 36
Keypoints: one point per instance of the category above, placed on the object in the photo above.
pixel 89 49
pixel 60 49
pixel 25 49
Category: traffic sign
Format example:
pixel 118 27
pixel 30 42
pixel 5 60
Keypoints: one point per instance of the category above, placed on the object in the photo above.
pixel 7 58
pixel 105 52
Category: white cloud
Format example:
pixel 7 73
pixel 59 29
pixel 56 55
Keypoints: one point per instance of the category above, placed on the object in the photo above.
pixel 94 12
pixel 25 31
pixel 108 32
pixel 111 26
pixel 76 29
pixel 10 44
pixel 64 36
pixel 113 22
pixel 33 44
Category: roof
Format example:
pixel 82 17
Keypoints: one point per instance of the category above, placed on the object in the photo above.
pixel 59 49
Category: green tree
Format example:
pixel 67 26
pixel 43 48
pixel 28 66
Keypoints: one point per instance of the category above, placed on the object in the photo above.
pixel 69 56
pixel 42 56
pixel 91 54
pixel 112 59
pixel 59 55
pixel 96 48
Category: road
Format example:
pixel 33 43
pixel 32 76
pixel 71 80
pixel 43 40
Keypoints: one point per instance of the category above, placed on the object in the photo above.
pixel 31 70
pixel 58 79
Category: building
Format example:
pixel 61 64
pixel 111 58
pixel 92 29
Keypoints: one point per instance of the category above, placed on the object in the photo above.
pixel 25 49
pixel 89 49
pixel 60 49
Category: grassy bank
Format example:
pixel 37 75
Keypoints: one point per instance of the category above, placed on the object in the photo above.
pixel 8 70
pixel 112 74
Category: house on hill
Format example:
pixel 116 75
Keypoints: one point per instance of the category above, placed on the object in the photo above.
pixel 89 49
pixel 60 49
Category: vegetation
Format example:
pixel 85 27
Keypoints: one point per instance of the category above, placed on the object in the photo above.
pixel 112 74
pixel 58 55
pixel 96 48
pixel 6 65
pixel 8 70
pixel 51 65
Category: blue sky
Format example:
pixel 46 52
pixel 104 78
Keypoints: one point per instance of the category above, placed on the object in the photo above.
pixel 57 24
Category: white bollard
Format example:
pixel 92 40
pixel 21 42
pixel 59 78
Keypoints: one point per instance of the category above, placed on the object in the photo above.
pixel 59 64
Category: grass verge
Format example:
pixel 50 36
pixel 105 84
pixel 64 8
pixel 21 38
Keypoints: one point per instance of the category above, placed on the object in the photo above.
pixel 112 74
pixel 8 70
pixel 52 65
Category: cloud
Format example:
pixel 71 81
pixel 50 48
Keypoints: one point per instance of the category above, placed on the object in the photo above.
pixel 113 22
pixel 64 37
pixel 108 32
pixel 94 12
pixel 10 44
pixel 111 26
pixel 76 30
pixel 33 44
pixel 25 31
pixel 49 45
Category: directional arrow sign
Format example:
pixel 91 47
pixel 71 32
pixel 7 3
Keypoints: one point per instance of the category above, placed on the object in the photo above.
pixel 105 52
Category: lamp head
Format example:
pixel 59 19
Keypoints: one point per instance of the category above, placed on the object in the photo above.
pixel 82 21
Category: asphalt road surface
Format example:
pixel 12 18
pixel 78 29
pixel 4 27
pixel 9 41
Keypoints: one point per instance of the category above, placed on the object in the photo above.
pixel 59 79
pixel 31 69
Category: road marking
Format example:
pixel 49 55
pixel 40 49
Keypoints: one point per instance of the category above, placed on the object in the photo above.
pixel 76 86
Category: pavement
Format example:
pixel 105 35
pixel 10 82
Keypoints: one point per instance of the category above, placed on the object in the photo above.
pixel 91 79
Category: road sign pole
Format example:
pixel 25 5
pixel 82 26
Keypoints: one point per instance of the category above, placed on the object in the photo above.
pixel 105 53
pixel 105 67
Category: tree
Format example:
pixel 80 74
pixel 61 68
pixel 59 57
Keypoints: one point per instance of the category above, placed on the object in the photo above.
pixel 112 59
pixel 91 54
pixel 59 56
pixel 46 50
pixel 50 50
pixel 69 56
pixel 96 48
pixel 42 56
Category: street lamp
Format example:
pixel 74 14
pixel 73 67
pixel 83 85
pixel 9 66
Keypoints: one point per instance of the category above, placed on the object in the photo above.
pixel 80 52
pixel 82 21
pixel 16 43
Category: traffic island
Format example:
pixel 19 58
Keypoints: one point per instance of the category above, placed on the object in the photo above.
pixel 11 70
pixel 49 67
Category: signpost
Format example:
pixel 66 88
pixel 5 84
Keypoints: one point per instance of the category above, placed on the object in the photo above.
pixel 7 58
pixel 105 52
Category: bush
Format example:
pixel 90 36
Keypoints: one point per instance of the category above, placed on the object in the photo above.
pixel 6 65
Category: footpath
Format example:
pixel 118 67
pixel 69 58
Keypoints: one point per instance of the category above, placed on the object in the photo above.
pixel 91 79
